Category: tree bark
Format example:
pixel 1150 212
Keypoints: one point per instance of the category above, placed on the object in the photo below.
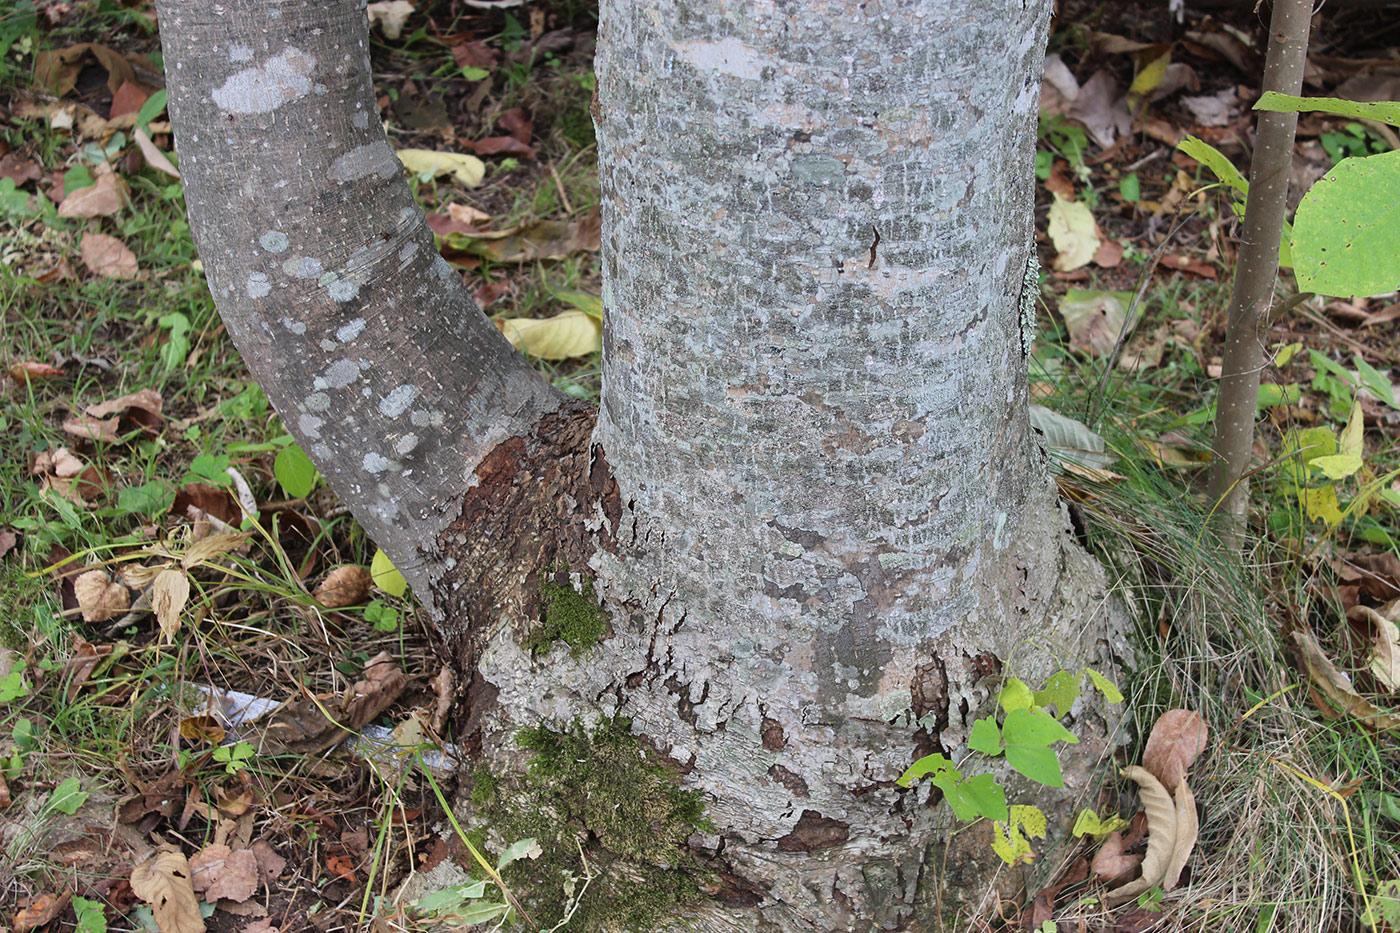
pixel 811 507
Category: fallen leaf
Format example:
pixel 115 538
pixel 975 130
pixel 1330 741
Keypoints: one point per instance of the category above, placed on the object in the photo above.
pixel 41 911
pixel 127 99
pixel 344 586
pixel 218 873
pixel 1109 254
pixel 1178 736
pixel 486 295
pixel 154 157
pixel 467 169
pixel 1094 319
pixel 1383 636
pixel 202 728
pixel 1187 264
pixel 169 592
pixel 57 70
pixel 390 15
pixel 19 169
pixel 146 400
pixel 496 145
pixel 517 123
pixel 108 257
pixel 100 598
pixel 342 866
pixel 312 725
pixel 261 926
pixel 92 429
pixel 23 373
pixel 213 546
pixel 83 662
pixel 1075 234
pixel 1161 835
pixel 8 540
pixel 164 883
pixel 473 53
pixel 1336 686
pixel 1111 861
pixel 1102 109
pixel 103 198
pixel 565 335
pixel 270 864
pixel 1212 109
pixel 1187 828
pixel 547 239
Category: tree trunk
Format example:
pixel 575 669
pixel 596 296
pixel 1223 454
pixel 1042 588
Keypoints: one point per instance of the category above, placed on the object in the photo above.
pixel 811 509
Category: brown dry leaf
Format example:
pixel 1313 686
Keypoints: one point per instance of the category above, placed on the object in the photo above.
pixel 1384 638
pixel 548 239
pixel 1178 736
pixel 260 926
pixel 486 295
pixel 270 864
pixel 103 198
pixel 1187 828
pixel 84 661
pixel 202 728
pixel 383 682
pixel 108 257
pixel 169 592
pixel 57 70
pixel 8 540
pixel 1111 861
pixel 127 99
pixel 1161 835
pixel 148 401
pixel 473 53
pixel 218 873
pixel 164 883
pixel 29 371
pixel 93 429
pixel 496 145
pixel 1109 254
pixel 19 168
pixel 100 598
pixel 59 461
pixel 1101 107
pixel 213 546
pixel 154 157
pixel 41 911
pixel 517 123
pixel 344 586
pixel 1336 686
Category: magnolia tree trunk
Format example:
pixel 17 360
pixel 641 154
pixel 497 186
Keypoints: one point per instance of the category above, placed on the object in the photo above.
pixel 806 532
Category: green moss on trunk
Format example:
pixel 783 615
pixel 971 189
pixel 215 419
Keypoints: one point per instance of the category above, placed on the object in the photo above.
pixel 569 615
pixel 606 791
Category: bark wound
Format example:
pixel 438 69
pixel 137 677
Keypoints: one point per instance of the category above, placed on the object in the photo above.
pixel 772 733
pixel 528 513
pixel 814 831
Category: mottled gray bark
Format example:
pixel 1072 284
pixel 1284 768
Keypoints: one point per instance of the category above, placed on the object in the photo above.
pixel 323 269
pixel 811 505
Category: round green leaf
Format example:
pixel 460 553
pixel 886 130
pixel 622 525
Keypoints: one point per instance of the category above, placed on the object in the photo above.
pixel 294 471
pixel 1347 231
pixel 386 576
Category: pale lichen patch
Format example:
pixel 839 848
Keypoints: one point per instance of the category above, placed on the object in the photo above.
pixel 295 327
pixel 274 241
pixel 258 285
pixel 727 56
pixel 342 290
pixel 397 401
pixel 281 79
pixel 341 373
pixel 349 331
pixel 376 158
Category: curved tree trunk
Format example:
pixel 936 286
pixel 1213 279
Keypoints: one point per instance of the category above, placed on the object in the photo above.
pixel 811 507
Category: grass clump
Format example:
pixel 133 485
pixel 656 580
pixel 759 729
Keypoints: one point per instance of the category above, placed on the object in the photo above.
pixel 600 794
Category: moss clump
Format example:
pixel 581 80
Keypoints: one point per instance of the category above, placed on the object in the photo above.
pixel 606 791
pixel 569 616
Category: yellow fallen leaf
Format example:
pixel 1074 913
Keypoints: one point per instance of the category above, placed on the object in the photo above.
pixel 1074 233
pixel 567 334
pixel 385 575
pixel 467 169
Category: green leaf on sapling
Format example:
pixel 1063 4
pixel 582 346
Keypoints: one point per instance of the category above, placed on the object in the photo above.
pixel 1347 229
pixel 985 737
pixel 1384 111
pixel 1060 691
pixel 1015 695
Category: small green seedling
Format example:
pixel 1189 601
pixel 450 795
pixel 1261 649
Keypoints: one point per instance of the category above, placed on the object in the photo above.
pixel 234 758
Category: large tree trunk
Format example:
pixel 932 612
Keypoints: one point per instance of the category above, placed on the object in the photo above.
pixel 810 508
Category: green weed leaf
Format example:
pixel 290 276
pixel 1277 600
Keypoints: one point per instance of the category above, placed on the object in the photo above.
pixel 975 797
pixel 151 108
pixel 386 576
pixel 1027 734
pixel 68 796
pixel 1372 379
pixel 147 499
pixel 1215 160
pixel 210 468
pixel 926 765
pixel 521 848
pixel 294 471
pixel 91 916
